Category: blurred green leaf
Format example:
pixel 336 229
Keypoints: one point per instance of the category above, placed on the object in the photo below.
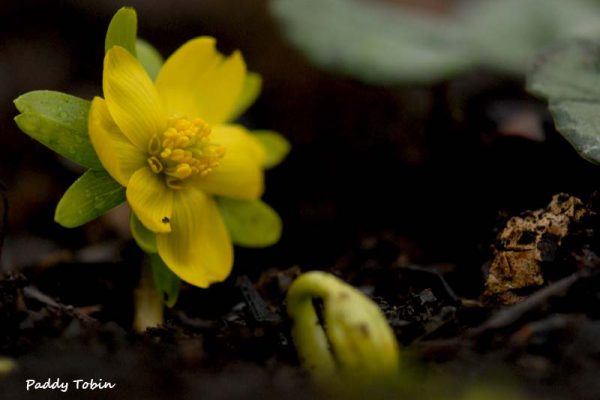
pixel 568 77
pixel 276 146
pixel 122 30
pixel 93 194
pixel 58 121
pixel 149 57
pixel 479 391
pixel 505 35
pixel 374 41
pixel 250 223
pixel 166 282
pixel 144 238
pixel 7 365
pixel 250 92
pixel 385 43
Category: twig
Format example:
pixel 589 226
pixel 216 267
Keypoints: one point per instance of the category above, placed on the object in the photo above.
pixel 444 283
pixel 510 315
pixel 34 293
pixel 259 309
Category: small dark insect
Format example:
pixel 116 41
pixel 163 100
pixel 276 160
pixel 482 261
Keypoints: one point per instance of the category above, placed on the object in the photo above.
pixel 165 220
pixel 363 329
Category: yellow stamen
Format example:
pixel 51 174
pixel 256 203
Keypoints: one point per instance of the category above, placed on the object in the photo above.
pixel 155 165
pixel 184 150
pixel 182 171
pixel 154 145
pixel 174 183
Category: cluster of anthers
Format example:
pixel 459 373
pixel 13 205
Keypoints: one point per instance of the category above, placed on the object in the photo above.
pixel 183 150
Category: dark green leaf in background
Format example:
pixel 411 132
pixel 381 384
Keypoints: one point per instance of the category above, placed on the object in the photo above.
pixel 505 35
pixel 390 44
pixel 374 41
pixel 568 77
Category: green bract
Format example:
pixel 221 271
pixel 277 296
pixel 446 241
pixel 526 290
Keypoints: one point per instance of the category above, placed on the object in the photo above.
pixel 252 88
pixel 166 282
pixel 93 194
pixel 250 223
pixel 59 121
pixel 143 237
pixel 122 30
pixel 384 43
pixel 568 77
pixel 276 145
pixel 149 57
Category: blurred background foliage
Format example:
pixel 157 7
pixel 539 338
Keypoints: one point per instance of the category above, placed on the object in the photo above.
pixel 382 42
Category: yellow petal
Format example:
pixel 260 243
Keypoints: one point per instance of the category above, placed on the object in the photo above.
pixel 117 154
pixel 198 249
pixel 179 78
pixel 240 173
pixel 197 81
pixel 151 200
pixel 132 98
pixel 237 139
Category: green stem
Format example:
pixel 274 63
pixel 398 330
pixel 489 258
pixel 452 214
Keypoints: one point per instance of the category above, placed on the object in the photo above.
pixel 148 301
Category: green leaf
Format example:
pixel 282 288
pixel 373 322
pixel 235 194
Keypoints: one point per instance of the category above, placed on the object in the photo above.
pixel 58 121
pixel 144 238
pixel 388 44
pixel 250 92
pixel 276 146
pixel 567 71
pixel 250 223
pixel 122 30
pixel 376 42
pixel 505 35
pixel 149 57
pixel 93 194
pixel 166 282
pixel 568 77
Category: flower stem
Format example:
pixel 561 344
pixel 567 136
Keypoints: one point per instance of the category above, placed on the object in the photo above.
pixel 148 301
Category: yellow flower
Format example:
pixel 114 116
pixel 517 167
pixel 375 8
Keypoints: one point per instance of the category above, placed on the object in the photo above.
pixel 168 142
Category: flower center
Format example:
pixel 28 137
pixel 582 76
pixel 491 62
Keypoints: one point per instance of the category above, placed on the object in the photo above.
pixel 184 149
